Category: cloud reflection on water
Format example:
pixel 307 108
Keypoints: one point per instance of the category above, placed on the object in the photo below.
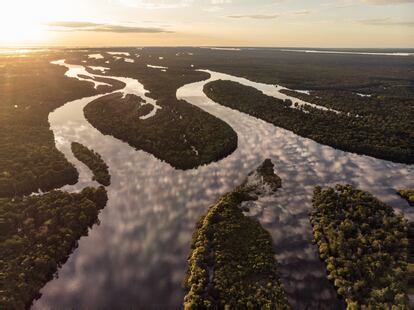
pixel 137 256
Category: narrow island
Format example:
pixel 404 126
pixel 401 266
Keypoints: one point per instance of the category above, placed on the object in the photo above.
pixel 232 263
pixel 37 235
pixel 364 245
pixel 180 134
pixel 94 162
pixel 407 194
pixel 361 134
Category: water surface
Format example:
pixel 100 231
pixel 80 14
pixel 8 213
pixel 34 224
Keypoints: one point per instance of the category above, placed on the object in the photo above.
pixel 136 257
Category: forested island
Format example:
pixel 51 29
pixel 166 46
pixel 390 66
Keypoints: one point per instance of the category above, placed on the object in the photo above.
pixel 181 134
pixel 232 263
pixel 37 235
pixel 407 194
pixel 94 162
pixel 373 135
pixel 364 246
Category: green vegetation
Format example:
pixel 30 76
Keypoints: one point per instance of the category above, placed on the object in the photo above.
pixel 37 235
pixel 410 236
pixel 94 161
pixel 389 76
pixel 232 264
pixel 334 80
pixel 30 88
pixel 181 134
pixel 386 136
pixel 364 246
pixel 407 194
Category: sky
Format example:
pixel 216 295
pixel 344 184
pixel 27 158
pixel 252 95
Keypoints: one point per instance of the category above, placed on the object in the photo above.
pixel 272 23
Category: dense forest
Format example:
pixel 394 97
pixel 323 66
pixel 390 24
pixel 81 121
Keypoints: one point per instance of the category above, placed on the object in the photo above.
pixel 388 78
pixel 30 88
pixel 352 226
pixel 407 194
pixel 340 78
pixel 368 134
pixel 181 134
pixel 94 162
pixel 37 235
pixel 39 232
pixel 306 71
pixel 410 235
pixel 232 263
pixel 335 81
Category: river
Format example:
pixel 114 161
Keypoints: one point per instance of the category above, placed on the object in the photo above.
pixel 136 257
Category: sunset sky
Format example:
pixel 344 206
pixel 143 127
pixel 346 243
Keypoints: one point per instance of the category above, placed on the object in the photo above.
pixel 294 23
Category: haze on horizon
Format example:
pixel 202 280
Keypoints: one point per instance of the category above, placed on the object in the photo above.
pixel 294 23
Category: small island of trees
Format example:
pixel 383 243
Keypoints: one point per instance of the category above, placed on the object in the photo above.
pixel 232 263
pixel 407 194
pixel 94 162
pixel 364 246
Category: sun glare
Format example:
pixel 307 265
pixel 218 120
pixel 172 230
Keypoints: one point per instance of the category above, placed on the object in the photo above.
pixel 22 22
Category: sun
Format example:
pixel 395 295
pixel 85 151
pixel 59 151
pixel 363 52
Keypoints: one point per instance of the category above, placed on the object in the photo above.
pixel 22 22
pixel 20 33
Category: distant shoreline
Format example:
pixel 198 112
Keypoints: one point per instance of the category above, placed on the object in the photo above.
pixel 373 50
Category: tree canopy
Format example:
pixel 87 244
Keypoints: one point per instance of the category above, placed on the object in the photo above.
pixel 232 263
pixel 364 246
pixel 94 162
pixel 37 235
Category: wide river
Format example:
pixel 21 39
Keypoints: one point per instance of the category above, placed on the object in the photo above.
pixel 136 257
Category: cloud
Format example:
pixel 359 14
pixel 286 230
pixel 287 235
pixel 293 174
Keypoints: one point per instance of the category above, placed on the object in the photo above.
pixel 387 2
pixel 386 22
pixel 156 4
pixel 168 4
pixel 271 16
pixel 213 8
pixel 255 16
pixel 302 12
pixel 221 1
pixel 95 27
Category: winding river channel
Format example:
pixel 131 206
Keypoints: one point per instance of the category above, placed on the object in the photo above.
pixel 136 258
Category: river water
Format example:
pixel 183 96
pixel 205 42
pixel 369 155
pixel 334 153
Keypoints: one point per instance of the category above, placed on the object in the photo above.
pixel 136 257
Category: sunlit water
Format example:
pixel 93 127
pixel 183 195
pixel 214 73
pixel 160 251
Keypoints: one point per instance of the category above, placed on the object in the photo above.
pixel 137 256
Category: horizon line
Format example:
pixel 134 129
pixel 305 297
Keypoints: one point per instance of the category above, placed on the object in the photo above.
pixel 188 46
